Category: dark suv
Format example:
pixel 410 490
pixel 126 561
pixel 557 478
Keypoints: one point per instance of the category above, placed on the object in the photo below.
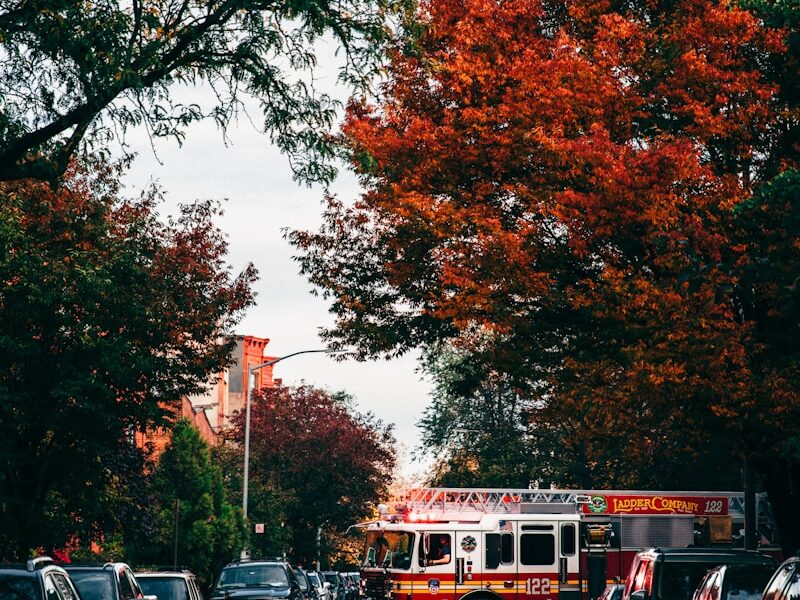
pixel 674 573
pixel 257 579
pixel 38 579
pixel 109 581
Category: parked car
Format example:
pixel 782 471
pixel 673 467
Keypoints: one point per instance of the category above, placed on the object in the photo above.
pixel 675 573
pixel 308 591
pixel 170 585
pixel 109 581
pixel 257 579
pixel 734 582
pixel 336 590
pixel 613 591
pixel 785 582
pixel 37 579
pixel 322 586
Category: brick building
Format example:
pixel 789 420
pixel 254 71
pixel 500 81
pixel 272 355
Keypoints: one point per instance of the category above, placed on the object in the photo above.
pixel 210 412
pixel 226 395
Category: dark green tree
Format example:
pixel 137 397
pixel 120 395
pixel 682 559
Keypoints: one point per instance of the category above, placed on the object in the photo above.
pixel 76 74
pixel 107 317
pixel 189 484
pixel 476 425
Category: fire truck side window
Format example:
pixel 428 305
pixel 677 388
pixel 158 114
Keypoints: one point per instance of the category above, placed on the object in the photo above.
pixel 537 549
pixel 499 549
pixel 439 551
pixel 568 539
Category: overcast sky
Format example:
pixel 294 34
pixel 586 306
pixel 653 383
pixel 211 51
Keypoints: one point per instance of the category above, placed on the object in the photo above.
pixel 262 199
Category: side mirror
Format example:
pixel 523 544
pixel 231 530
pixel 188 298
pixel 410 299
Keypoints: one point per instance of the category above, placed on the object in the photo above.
pixel 640 595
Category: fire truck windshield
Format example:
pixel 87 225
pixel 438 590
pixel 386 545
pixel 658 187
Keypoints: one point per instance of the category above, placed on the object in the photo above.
pixel 390 549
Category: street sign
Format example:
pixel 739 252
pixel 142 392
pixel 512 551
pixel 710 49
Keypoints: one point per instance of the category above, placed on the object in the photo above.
pixel 259 528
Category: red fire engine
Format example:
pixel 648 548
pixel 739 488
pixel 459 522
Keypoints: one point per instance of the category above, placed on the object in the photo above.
pixel 491 544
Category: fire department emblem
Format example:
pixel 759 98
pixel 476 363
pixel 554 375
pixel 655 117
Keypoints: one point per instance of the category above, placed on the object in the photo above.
pixel 433 586
pixel 469 543
pixel 598 504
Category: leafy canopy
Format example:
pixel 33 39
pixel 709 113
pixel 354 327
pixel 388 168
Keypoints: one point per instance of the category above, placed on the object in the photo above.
pixel 76 74
pixel 107 317
pixel 551 187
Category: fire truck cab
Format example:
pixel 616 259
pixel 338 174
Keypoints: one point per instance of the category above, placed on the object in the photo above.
pixel 508 556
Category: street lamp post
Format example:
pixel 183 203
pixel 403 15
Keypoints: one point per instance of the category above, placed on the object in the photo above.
pixel 251 382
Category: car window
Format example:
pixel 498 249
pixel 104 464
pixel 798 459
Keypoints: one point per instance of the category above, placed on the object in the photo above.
pixel 65 589
pixel 125 588
pixel 137 590
pixel 18 588
pixel 254 576
pixel 50 589
pixel 94 585
pixel 166 588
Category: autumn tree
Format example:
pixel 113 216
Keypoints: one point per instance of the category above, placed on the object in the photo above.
pixel 564 179
pixel 107 317
pixel 332 462
pixel 76 75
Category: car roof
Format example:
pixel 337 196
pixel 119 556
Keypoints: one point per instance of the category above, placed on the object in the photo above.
pixel 722 555
pixel 95 566
pixel 257 561
pixel 22 570
pixel 33 565
pixel 164 574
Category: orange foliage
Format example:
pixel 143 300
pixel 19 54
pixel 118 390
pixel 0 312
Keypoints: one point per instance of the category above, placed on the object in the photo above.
pixel 561 174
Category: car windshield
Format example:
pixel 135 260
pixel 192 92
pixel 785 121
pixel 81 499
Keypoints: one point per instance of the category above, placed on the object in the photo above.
pixel 747 583
pixel 388 549
pixel 253 576
pixel 332 579
pixel 18 588
pixel 94 585
pixel 166 588
pixel 312 575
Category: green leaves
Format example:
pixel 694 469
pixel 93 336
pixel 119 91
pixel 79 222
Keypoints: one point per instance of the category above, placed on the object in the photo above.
pixel 77 74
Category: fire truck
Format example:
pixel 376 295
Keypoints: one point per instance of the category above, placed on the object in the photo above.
pixel 528 544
